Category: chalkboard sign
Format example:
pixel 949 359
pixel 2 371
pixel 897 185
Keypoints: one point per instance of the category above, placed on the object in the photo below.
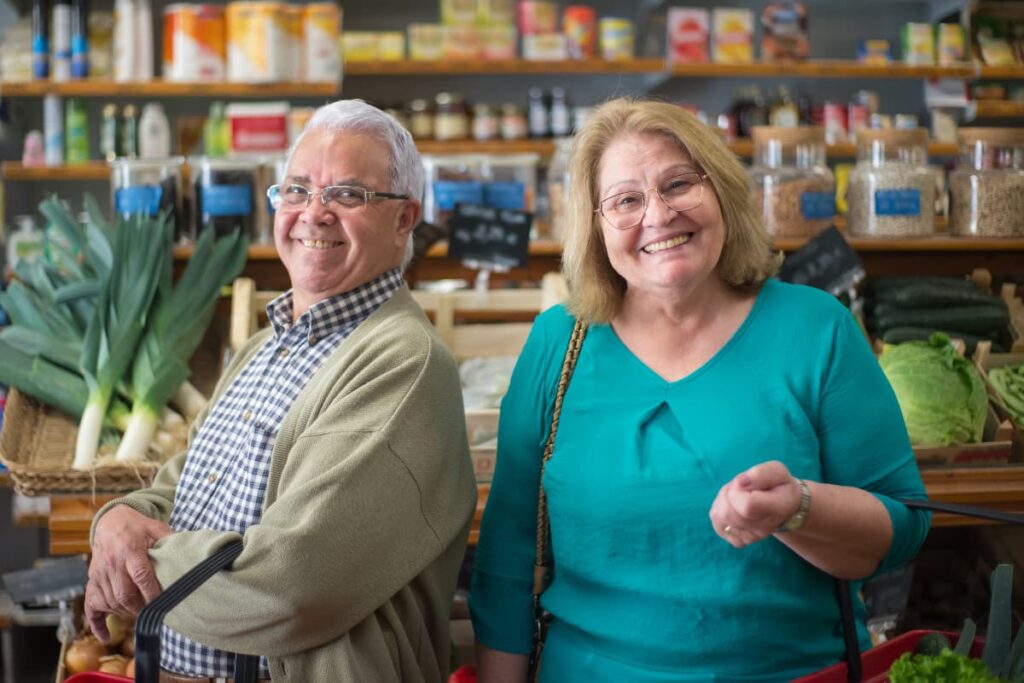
pixel 54 581
pixel 826 262
pixel 488 237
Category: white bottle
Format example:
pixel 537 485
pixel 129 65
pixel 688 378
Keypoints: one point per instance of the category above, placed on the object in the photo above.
pixel 143 41
pixel 25 243
pixel 124 40
pixel 154 133
pixel 53 130
pixel 60 40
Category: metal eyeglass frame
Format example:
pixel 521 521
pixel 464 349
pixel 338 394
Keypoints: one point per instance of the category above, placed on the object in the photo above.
pixel 368 195
pixel 643 206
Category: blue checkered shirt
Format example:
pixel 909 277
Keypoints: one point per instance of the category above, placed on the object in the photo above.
pixel 225 477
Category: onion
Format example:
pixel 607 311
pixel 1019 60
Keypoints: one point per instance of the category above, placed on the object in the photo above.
pixel 84 654
pixel 128 645
pixel 118 629
pixel 114 664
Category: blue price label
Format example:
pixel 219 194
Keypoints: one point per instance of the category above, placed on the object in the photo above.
pixel 505 195
pixel 901 202
pixel 144 199
pixel 817 205
pixel 448 193
pixel 227 200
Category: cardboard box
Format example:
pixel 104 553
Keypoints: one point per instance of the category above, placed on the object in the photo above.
pixel 687 35
pixel 732 39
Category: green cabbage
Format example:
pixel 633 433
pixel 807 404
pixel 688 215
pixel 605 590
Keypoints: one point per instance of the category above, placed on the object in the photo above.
pixel 945 667
pixel 941 395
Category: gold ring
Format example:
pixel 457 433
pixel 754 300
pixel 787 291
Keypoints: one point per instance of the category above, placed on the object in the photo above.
pixel 727 529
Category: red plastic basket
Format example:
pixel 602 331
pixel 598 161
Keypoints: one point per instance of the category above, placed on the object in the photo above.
pixel 878 660
pixel 96 677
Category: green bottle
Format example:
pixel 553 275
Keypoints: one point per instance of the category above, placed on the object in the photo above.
pixel 216 133
pixel 76 131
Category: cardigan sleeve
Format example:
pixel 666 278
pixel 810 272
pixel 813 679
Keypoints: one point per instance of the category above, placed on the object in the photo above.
pixel 501 596
pixel 864 440
pixel 374 490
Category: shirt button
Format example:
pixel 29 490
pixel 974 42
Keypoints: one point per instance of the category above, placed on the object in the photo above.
pixel 212 478
pixel 283 353
pixel 247 415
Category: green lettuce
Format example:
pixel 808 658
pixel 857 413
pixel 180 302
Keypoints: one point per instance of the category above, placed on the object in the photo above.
pixel 945 667
pixel 940 393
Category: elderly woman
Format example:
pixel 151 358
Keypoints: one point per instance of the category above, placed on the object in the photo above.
pixel 727 443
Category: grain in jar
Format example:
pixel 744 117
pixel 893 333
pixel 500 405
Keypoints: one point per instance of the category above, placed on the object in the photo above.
pixel 891 191
pixel 793 187
pixel 987 186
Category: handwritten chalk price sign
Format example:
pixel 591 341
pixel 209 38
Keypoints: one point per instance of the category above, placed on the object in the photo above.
pixel 826 262
pixel 485 237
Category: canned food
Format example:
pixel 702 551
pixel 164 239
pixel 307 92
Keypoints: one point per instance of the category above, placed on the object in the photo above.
pixel 321 26
pixel 616 38
pixel 194 43
pixel 259 49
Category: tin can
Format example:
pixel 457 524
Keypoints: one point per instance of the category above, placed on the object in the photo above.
pixel 579 22
pixel 616 38
pixel 537 17
pixel 294 48
pixel 258 44
pixel 194 43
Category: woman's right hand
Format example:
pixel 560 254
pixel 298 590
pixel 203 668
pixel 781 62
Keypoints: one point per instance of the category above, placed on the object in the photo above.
pixel 121 576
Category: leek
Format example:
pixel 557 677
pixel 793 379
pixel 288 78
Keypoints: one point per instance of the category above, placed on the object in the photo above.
pixel 174 330
pixel 141 249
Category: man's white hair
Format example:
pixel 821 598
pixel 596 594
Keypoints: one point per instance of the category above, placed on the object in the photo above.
pixel 405 168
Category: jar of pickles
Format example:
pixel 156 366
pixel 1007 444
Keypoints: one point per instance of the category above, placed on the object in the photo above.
pixel 891 190
pixel 450 120
pixel 793 186
pixel 987 186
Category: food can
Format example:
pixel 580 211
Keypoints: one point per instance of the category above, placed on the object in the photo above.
pixel 579 22
pixel 616 38
pixel 194 43
pixel 537 17
pixel 258 43
pixel 294 48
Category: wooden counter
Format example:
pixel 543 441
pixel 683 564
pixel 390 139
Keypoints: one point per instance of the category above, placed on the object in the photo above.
pixel 1000 488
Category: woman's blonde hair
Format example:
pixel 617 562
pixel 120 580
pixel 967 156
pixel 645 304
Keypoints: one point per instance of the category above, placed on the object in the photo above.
pixel 596 290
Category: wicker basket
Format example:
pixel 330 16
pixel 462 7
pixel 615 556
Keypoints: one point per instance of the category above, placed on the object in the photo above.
pixel 37 445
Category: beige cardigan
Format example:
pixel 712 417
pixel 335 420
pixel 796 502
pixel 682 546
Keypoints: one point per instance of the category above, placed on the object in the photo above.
pixel 349 575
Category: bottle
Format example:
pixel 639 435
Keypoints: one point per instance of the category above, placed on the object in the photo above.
pixel 129 138
pixel 154 133
pixel 60 32
pixel 143 41
pixel 537 114
pixel 53 130
pixel 124 40
pixel 216 133
pixel 76 132
pixel 79 39
pixel 32 153
pixel 561 115
pixel 108 133
pixel 40 41
pixel 784 113
pixel 25 243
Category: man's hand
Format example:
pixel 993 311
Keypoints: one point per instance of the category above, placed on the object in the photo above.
pixel 751 506
pixel 121 578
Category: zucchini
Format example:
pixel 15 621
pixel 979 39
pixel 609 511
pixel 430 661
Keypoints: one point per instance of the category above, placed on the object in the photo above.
pixel 881 286
pixel 972 319
pixel 898 335
pixel 936 296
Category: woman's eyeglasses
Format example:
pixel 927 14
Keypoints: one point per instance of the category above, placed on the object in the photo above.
pixel 626 210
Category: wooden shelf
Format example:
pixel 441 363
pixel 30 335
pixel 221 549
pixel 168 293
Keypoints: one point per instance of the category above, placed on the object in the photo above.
pixel 541 146
pixel 823 69
pixel 158 88
pixel 505 67
pixel 93 170
pixel 1005 73
pixel 999 109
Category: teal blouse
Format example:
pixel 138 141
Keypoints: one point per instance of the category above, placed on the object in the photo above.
pixel 643 589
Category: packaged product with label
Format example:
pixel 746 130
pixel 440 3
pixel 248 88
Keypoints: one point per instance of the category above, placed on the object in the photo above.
pixel 784 32
pixel 688 34
pixel 732 40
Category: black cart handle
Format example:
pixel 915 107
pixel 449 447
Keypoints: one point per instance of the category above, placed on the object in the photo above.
pixel 151 618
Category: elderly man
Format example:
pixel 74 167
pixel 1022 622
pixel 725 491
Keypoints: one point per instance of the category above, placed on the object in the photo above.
pixel 334 448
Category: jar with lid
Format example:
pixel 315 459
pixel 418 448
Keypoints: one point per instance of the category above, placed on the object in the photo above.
pixel 421 119
pixel 793 186
pixel 149 187
pixel 987 186
pixel 891 189
pixel 450 117
pixel 513 122
pixel 485 122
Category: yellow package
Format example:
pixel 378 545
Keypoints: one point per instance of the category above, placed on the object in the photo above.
pixel 842 173
pixel 732 39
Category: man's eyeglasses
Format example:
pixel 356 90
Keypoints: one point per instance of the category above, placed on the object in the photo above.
pixel 626 210
pixel 345 196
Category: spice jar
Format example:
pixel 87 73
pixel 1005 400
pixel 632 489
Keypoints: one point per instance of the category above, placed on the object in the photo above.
pixel 485 122
pixel 987 186
pixel 793 186
pixel 421 119
pixel 513 122
pixel 450 117
pixel 891 190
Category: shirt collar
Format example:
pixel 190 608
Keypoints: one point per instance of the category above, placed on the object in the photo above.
pixel 336 313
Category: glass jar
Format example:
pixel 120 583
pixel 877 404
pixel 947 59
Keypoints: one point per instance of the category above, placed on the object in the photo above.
pixel 987 186
pixel 150 187
pixel 421 119
pixel 558 187
pixel 485 122
pixel 226 196
pixel 891 190
pixel 793 186
pixel 450 117
pixel 513 122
